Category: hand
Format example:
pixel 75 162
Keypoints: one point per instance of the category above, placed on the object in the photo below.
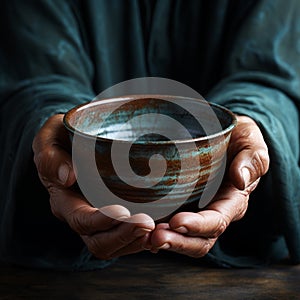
pixel 106 237
pixel 194 234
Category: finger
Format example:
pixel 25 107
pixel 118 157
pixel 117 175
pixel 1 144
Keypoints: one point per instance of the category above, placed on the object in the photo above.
pixel 117 240
pixel 248 166
pixel 106 252
pixel 153 248
pixel 165 239
pixel 84 219
pixel 52 159
pixel 248 153
pixel 230 204
pixel 208 223
pixel 140 244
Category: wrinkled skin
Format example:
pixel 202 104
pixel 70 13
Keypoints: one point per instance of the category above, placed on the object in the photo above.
pixel 192 234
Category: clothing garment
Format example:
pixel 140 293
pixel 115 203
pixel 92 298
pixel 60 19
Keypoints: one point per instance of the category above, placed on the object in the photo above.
pixel 242 54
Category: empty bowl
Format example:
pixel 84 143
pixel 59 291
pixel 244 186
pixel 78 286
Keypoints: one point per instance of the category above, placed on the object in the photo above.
pixel 156 154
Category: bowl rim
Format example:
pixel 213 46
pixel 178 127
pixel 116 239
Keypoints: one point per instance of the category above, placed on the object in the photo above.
pixel 73 130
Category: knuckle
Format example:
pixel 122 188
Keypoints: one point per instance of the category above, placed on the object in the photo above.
pixel 94 247
pixel 241 210
pixel 43 160
pixel 88 223
pixel 220 228
pixel 74 223
pixel 206 247
pixel 245 135
pixel 54 202
pixel 78 222
pixel 224 220
pixel 203 250
pixel 122 239
pixel 260 162
pixel 54 208
pixel 179 247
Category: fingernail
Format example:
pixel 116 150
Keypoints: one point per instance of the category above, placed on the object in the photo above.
pixel 63 173
pixel 164 246
pixel 141 231
pixel 246 176
pixel 181 229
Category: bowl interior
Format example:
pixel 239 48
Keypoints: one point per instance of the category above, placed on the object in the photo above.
pixel 146 119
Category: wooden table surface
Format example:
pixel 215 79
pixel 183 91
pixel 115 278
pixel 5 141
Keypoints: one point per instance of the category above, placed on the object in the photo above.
pixel 149 276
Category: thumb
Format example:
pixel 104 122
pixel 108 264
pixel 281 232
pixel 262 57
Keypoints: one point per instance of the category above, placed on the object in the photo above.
pixel 53 161
pixel 249 152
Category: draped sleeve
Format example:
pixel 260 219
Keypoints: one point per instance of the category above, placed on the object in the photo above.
pixel 45 69
pixel 261 79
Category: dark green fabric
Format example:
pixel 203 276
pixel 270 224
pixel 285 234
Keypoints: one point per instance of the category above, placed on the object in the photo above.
pixel 56 54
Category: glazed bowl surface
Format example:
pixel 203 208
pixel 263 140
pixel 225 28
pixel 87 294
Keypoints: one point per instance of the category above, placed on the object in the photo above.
pixel 157 154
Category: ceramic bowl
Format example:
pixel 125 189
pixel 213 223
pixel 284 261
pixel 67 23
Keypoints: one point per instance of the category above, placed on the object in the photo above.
pixel 159 154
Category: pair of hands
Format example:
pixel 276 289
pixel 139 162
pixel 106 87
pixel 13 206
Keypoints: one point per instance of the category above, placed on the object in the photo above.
pixel 192 234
